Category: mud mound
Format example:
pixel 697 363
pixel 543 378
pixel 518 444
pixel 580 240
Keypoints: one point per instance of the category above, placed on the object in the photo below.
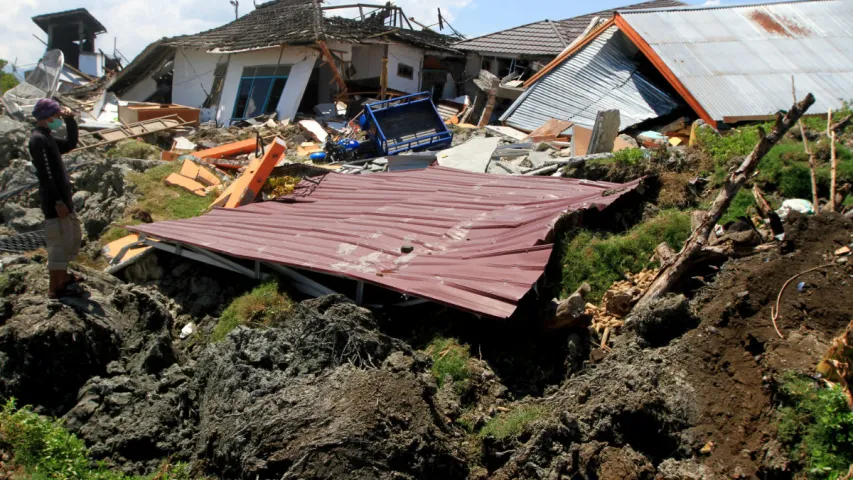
pixel 326 396
pixel 634 400
pixel 702 406
pixel 51 348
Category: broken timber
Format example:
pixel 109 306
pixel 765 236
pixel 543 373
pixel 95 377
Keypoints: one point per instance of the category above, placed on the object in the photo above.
pixel 134 130
pixel 670 276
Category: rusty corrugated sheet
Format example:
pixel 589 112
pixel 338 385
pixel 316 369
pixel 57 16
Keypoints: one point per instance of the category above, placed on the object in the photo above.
pixel 480 241
pixel 737 61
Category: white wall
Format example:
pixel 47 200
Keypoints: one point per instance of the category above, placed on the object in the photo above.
pixel 301 60
pixel 140 91
pixel 367 60
pixel 410 56
pixel 193 76
pixel 92 64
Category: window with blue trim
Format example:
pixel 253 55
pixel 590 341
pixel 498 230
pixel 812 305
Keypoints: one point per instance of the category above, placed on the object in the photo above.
pixel 260 91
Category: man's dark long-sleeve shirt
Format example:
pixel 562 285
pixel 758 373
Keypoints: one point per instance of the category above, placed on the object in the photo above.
pixel 46 152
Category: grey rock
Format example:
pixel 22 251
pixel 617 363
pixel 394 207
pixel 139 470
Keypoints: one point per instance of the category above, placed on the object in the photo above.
pixel 21 219
pixel 80 199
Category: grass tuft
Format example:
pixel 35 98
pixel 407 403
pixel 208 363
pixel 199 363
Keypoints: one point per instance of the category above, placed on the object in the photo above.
pixel 602 259
pixel 817 425
pixel 629 156
pixel 449 358
pixel 43 449
pixel 512 424
pixel 260 308
pixel 165 202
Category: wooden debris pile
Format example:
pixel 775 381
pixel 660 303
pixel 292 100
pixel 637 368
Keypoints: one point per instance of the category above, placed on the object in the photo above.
pixel 609 318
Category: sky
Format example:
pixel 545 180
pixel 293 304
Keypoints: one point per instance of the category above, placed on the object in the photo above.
pixel 133 24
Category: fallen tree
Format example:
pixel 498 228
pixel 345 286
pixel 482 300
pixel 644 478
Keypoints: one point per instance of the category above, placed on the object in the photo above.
pixel 695 247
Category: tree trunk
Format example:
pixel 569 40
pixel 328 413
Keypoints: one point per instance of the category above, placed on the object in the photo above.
pixel 671 275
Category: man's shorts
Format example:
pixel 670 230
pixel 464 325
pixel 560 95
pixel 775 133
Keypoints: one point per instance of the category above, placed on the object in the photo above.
pixel 63 236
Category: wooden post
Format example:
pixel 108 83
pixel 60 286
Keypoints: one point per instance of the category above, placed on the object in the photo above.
pixel 834 160
pixel 383 80
pixel 331 60
pixel 812 167
pixel 490 104
pixel 686 258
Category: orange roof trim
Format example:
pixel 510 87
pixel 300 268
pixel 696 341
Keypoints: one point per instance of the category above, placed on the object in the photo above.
pixel 662 67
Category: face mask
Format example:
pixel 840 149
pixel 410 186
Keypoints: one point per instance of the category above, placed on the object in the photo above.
pixel 56 124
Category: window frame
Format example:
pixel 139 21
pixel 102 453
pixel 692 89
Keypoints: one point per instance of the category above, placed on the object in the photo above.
pixel 411 76
pixel 254 77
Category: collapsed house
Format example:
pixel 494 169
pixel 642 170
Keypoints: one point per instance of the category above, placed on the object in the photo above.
pixel 476 242
pixel 288 56
pixel 509 57
pixel 728 64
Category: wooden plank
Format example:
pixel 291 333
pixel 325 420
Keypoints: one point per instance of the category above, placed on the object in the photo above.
pixel 580 140
pixel 550 130
pixel 227 150
pixel 188 184
pixel 245 188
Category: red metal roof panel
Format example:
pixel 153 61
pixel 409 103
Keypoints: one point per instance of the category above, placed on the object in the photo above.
pixel 480 241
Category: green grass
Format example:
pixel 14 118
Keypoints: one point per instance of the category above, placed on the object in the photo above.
pixel 602 259
pixel 629 156
pixel 817 425
pixel 449 358
pixel 43 449
pixel 742 205
pixel 162 201
pixel 511 424
pixel 165 202
pixel 260 308
pixel 134 149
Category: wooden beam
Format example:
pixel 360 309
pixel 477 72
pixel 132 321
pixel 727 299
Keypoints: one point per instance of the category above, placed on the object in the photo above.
pixel 696 245
pixel 664 69
pixel 331 59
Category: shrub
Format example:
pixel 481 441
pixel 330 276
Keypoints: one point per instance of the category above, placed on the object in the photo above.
pixel 629 156
pixel 449 358
pixel 511 424
pixel 723 148
pixel 740 206
pixel 260 308
pixel 817 424
pixel 602 259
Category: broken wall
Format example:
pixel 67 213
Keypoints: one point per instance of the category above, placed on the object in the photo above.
pixel 412 57
pixel 300 59
pixel 140 91
pixel 193 76
pixel 367 60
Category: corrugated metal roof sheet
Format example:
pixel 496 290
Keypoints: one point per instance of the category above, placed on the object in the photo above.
pixel 481 241
pixel 738 61
pixel 546 37
pixel 602 75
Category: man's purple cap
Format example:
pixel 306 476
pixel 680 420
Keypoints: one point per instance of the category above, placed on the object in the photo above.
pixel 46 108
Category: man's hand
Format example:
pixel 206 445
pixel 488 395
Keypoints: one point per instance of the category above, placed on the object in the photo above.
pixel 62 210
pixel 66 112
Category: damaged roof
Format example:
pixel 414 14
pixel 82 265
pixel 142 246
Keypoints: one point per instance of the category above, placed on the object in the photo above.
pixel 300 22
pixel 547 37
pixel 75 15
pixel 601 74
pixel 736 62
pixel 480 241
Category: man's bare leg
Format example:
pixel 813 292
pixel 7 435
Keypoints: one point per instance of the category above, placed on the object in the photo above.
pixel 58 278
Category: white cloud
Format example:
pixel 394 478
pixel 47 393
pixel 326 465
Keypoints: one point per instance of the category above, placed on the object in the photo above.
pixel 135 23
pixel 712 3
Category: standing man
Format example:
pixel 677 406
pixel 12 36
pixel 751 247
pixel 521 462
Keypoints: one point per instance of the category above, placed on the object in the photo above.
pixel 62 228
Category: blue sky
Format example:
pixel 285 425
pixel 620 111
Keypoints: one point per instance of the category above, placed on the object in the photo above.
pixel 137 23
